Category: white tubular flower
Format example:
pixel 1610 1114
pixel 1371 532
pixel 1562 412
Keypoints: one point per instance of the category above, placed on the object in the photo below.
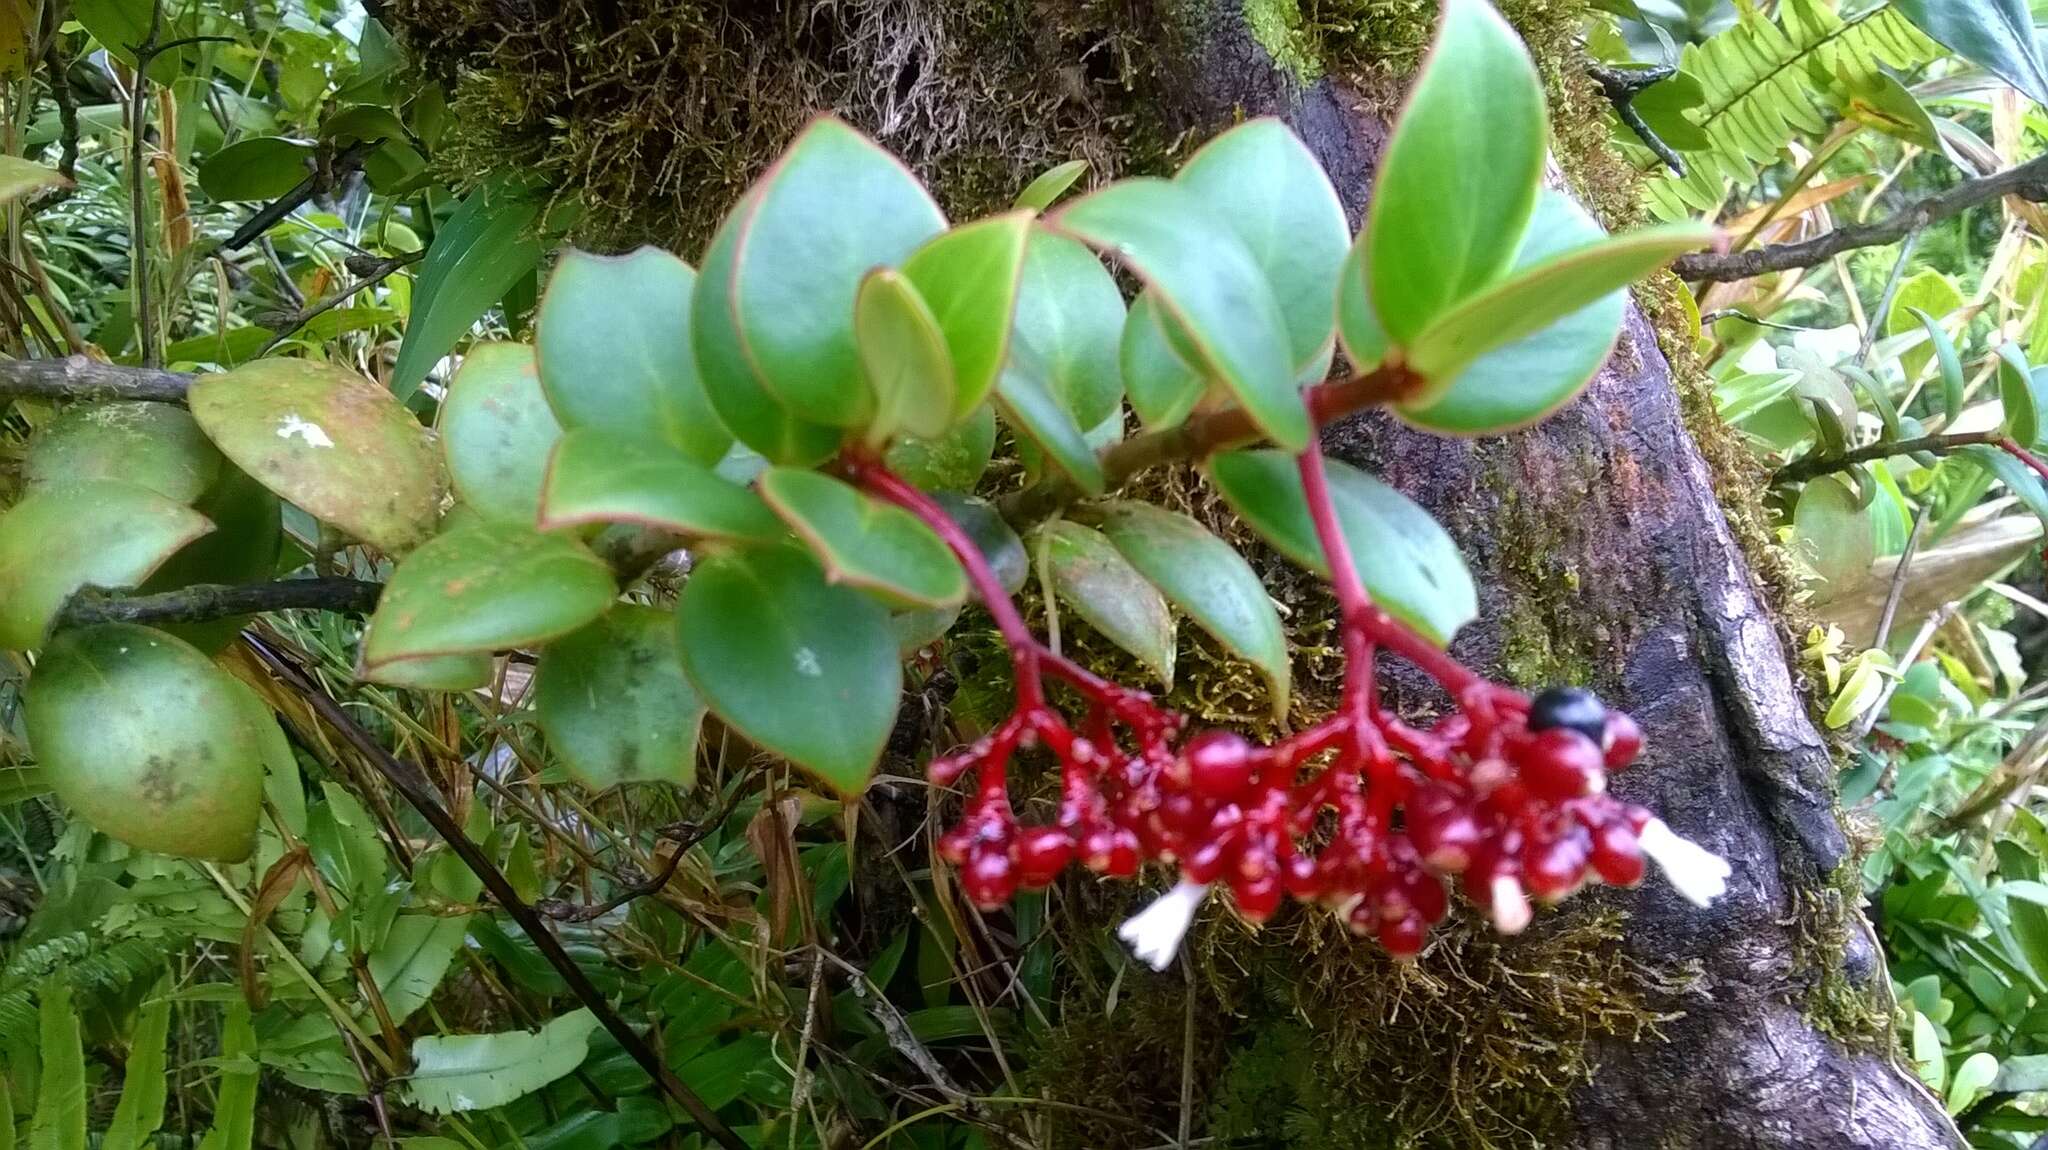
pixel 1511 911
pixel 1698 873
pixel 1154 934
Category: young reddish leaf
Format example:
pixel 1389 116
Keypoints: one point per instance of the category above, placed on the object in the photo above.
pixel 1208 579
pixel 497 431
pixel 1266 186
pixel 148 741
pixel 903 357
pixel 726 368
pixel 800 667
pixel 1090 576
pixel 1050 185
pixel 482 588
pixel 1209 281
pixel 596 478
pixel 614 703
pixel 864 542
pixel 970 277
pixel 1459 177
pixel 614 351
pixel 330 441
pixel 1409 564
pixel 832 207
pixel 95 533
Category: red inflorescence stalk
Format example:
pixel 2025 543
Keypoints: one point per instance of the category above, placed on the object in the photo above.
pixel 1362 812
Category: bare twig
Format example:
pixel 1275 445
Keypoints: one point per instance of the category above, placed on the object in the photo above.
pixel 410 783
pixel 67 109
pixel 2029 181
pixel 1810 466
pixel 683 835
pixel 1621 87
pixel 203 602
pixel 378 271
pixel 76 377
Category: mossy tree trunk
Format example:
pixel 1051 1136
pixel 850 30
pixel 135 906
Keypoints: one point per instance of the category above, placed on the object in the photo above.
pixel 1603 554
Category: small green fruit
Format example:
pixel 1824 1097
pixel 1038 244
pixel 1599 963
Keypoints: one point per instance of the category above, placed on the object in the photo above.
pixel 147 740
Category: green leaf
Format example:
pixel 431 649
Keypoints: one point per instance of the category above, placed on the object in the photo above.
pixel 95 533
pixel 726 367
pixel 1459 177
pixel 153 445
pixel 1358 325
pixel 2019 396
pixel 497 432
pixel 2017 477
pixel 439 673
pixel 1833 535
pixel 1408 563
pixel 1537 296
pixel 1090 576
pixel 1163 388
pixel 19 177
pixel 992 536
pixel 258 168
pixel 59 1119
pixel 331 442
pixel 1880 101
pixel 476 257
pixel 482 588
pixel 864 542
pixel 1266 186
pixel 1995 34
pixel 147 740
pixel 832 207
pixel 1949 363
pixel 801 668
pixel 413 957
pixel 903 357
pixel 1028 406
pixel 121 26
pixel 594 477
pixel 954 461
pixel 971 276
pixel 1209 281
pixel 1050 184
pixel 1208 579
pixel 1516 385
pixel 141 1110
pixel 1062 374
pixel 1929 1060
pixel 478 1071
pixel 615 704
pixel 615 351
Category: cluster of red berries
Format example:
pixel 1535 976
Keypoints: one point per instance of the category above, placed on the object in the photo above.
pixel 1363 813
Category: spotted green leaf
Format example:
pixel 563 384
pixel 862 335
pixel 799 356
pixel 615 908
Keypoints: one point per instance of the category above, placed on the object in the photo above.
pixel 593 477
pixel 482 588
pixel 153 445
pixel 497 431
pixel 800 667
pixel 864 542
pixel 95 533
pixel 614 703
pixel 615 351
pixel 1409 564
pixel 1090 576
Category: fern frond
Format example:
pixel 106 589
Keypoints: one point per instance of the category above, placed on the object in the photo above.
pixel 97 971
pixel 1769 81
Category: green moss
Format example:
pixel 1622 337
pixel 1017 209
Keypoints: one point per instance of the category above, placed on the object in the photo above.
pixel 1278 27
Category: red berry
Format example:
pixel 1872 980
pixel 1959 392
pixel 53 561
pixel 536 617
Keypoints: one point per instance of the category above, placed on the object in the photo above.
pixel 1616 856
pixel 1041 854
pixel 1622 739
pixel 1123 855
pixel 1425 892
pixel 1553 869
pixel 1403 937
pixel 1302 877
pixel 989 879
pixel 1441 826
pixel 1560 763
pixel 1257 898
pixel 1206 862
pixel 1219 764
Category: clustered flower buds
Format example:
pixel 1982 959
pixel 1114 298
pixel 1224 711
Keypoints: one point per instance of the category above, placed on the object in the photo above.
pixel 1505 796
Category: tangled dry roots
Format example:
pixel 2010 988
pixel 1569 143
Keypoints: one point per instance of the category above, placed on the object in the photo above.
pixel 658 113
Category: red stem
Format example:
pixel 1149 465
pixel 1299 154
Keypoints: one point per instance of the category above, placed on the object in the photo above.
pixel 2012 447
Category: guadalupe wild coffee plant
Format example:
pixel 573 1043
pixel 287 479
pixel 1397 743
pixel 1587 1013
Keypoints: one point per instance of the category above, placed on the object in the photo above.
pixel 810 414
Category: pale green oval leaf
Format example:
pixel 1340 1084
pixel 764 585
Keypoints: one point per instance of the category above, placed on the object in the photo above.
pixel 258 168
pixel 497 431
pixel 970 277
pixel 864 542
pixel 615 704
pixel 1208 579
pixel 1833 535
pixel 593 477
pixel 331 442
pixel 615 351
pixel 148 741
pixel 802 668
pixel 482 588
pixel 1408 562
pixel 460 1072
pixel 95 533
pixel 1163 388
pixel 1459 177
pixel 1092 577
pixel 903 358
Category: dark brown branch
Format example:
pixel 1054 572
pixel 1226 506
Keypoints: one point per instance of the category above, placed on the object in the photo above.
pixel 67 109
pixel 76 377
pixel 410 782
pixel 376 273
pixel 1810 466
pixel 204 602
pixel 1621 86
pixel 2029 181
pixel 682 835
